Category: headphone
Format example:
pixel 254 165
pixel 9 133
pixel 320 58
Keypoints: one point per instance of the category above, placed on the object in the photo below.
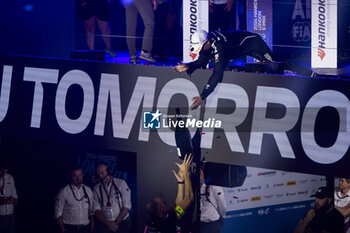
pixel 109 171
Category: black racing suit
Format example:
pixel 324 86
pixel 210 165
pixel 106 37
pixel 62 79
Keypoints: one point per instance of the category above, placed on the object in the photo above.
pixel 226 45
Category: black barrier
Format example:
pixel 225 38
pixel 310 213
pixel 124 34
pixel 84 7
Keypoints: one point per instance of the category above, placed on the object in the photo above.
pixel 224 175
pixel 187 144
pixel 268 121
pixel 183 139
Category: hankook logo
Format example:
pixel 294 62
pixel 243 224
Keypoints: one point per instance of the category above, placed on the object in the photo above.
pixel 321 53
pixel 269 173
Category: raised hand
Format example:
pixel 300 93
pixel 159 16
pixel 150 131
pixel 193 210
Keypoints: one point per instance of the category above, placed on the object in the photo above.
pixel 184 193
pixel 310 215
pixel 179 176
pixel 196 102
pixel 180 68
pixel 185 164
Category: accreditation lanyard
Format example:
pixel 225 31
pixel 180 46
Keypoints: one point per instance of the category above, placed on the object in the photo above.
pixel 2 187
pixel 340 197
pixel 75 197
pixel 108 195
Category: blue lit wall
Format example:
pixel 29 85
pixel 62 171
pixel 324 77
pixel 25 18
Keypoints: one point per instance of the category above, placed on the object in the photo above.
pixel 51 28
pixel 37 27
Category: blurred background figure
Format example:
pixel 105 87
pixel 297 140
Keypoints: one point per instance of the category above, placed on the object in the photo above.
pixel 166 29
pixel 241 15
pixel 323 217
pixel 222 15
pixel 342 201
pixel 92 11
pixel 161 30
pixel 145 9
pixel 8 199
pixel 73 207
pixel 344 30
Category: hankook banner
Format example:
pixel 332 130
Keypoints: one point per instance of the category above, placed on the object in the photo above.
pixel 259 20
pixel 195 17
pixel 324 33
pixel 275 122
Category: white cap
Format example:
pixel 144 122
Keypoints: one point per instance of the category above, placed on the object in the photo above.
pixel 198 39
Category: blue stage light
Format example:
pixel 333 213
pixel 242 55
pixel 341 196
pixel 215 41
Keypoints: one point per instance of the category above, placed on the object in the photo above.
pixel 126 2
pixel 28 7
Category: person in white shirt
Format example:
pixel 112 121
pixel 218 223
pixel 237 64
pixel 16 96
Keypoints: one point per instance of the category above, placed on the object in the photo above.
pixel 342 201
pixel 8 199
pixel 212 207
pixel 73 207
pixel 112 202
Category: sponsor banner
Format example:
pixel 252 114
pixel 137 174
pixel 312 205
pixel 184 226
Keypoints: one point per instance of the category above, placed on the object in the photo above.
pixel 292 35
pixel 108 105
pixel 271 187
pixel 259 20
pixel 195 17
pixel 301 29
pixel 268 173
pixel 257 198
pixel 290 183
pixel 324 33
pixel 262 216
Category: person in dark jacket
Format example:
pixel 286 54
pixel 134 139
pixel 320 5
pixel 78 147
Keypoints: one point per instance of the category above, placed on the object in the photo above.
pixel 323 218
pixel 221 47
